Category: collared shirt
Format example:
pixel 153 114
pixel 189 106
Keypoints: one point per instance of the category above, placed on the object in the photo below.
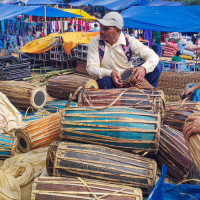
pixel 114 58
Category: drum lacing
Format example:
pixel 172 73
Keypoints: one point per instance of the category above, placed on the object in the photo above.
pixel 84 183
pixel 108 106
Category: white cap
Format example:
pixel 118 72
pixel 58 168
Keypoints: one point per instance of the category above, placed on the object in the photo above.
pixel 112 19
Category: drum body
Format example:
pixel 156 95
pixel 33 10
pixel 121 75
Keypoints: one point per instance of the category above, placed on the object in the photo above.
pixel 23 95
pixel 51 188
pixel 193 144
pixel 131 97
pixel 123 128
pixel 127 78
pixel 8 145
pixel 55 106
pixel 39 133
pixel 98 162
pixel 61 87
pixel 175 117
pixel 173 152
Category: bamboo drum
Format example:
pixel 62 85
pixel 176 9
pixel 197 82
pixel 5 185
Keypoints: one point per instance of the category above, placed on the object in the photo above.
pixel 123 128
pixel 39 133
pixel 127 78
pixel 131 97
pixel 61 87
pixel 23 95
pixel 173 152
pixel 51 188
pixel 175 116
pixel 8 145
pixel 102 163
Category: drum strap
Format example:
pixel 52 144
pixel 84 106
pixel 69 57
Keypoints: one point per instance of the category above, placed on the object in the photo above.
pixel 126 48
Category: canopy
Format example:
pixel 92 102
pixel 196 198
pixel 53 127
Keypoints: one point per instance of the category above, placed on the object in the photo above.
pixel 33 2
pixel 81 13
pixel 160 3
pixel 163 18
pixel 109 4
pixel 8 11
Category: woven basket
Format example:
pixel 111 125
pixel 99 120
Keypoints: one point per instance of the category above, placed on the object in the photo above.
pixel 173 83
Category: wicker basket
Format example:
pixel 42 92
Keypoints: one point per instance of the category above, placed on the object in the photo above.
pixel 173 83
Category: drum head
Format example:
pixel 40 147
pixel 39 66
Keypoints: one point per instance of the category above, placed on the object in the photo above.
pixel 126 74
pixel 39 98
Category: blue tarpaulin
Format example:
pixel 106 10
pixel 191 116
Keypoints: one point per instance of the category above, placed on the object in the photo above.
pixel 163 18
pixel 109 4
pixel 160 3
pixel 8 11
pixel 32 2
pixel 166 191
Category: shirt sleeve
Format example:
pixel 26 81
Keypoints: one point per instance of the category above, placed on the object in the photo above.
pixel 93 61
pixel 148 55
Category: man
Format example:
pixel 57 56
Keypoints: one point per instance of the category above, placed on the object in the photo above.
pixel 39 34
pixel 110 52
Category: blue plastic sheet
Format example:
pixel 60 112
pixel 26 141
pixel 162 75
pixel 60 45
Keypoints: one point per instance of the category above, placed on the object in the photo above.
pixel 163 18
pixel 160 3
pixel 165 191
pixel 9 11
pixel 109 4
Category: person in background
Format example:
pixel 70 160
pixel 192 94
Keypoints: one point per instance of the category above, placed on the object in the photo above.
pixel 192 91
pixel 8 46
pixel 70 28
pixel 110 53
pixel 96 27
pixel 39 34
pixel 177 58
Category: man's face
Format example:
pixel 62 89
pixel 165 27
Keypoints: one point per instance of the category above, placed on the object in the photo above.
pixel 107 32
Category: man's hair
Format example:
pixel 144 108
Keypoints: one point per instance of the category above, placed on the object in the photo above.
pixel 95 25
pixel 69 24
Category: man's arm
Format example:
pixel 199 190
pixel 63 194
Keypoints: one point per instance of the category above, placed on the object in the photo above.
pixel 193 126
pixel 192 89
pixel 148 55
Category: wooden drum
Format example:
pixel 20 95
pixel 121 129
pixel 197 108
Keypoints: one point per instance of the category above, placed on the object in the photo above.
pixel 173 152
pixel 175 117
pixel 57 188
pixel 39 133
pixel 131 97
pixel 61 87
pixel 98 162
pixel 127 78
pixel 193 143
pixel 8 145
pixel 23 95
pixel 123 128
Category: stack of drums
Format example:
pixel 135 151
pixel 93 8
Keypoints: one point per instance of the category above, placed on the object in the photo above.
pixel 132 97
pixel 24 95
pixel 102 163
pixel 61 87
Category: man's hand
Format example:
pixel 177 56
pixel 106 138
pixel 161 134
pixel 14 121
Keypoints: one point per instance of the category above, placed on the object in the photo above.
pixel 188 91
pixel 193 126
pixel 116 79
pixel 140 73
